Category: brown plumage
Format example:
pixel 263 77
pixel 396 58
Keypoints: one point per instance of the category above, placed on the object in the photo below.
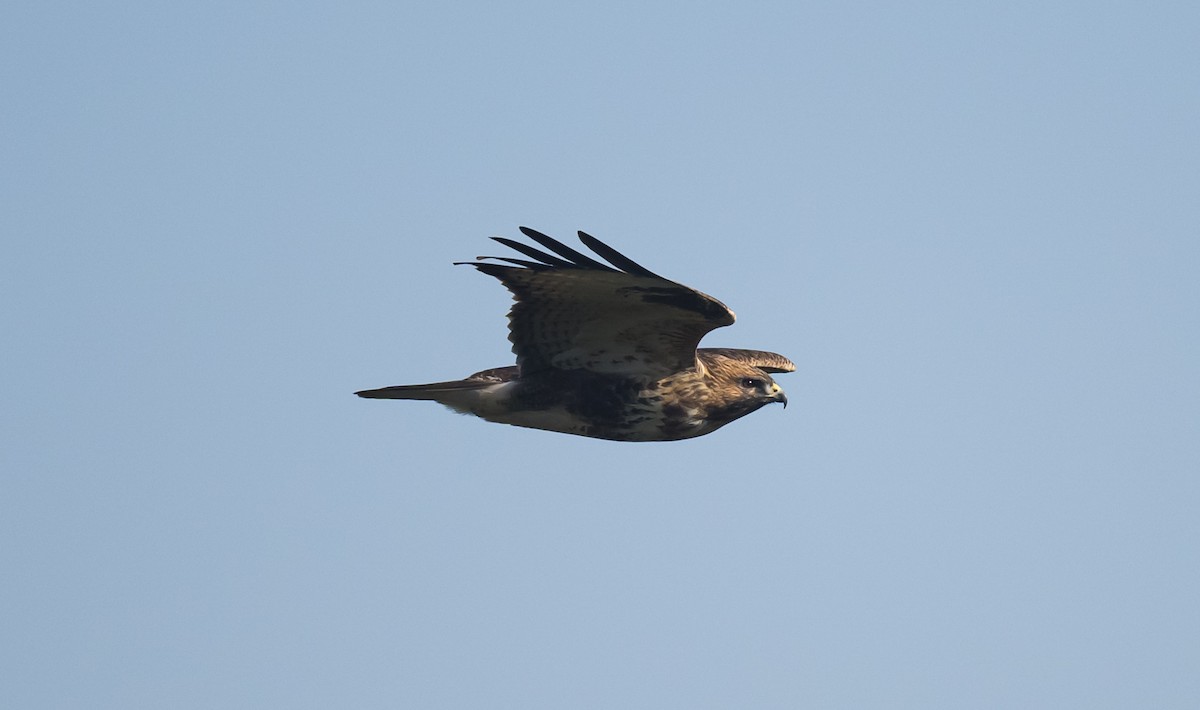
pixel 607 352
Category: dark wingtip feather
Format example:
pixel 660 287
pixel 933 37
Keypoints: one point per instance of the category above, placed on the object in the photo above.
pixel 564 257
pixel 515 262
pixel 508 263
pixel 615 257
pixel 548 259
pixel 578 259
pixel 497 270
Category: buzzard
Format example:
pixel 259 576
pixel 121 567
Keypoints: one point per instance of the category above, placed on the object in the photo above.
pixel 607 351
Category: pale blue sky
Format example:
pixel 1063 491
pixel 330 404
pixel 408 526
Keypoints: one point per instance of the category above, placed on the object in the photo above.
pixel 976 229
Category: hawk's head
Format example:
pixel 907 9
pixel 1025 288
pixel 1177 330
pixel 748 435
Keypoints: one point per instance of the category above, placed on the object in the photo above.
pixel 737 388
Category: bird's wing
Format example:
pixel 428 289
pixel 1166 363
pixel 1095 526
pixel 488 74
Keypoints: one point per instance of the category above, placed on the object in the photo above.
pixel 573 312
pixel 763 360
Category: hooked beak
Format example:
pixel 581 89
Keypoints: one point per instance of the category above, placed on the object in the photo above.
pixel 779 395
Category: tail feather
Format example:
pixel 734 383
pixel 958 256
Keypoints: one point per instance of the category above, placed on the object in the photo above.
pixel 434 390
pixel 472 395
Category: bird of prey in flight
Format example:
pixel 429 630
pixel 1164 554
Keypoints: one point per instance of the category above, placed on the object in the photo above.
pixel 607 351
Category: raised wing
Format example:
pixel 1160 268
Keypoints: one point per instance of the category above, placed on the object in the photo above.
pixel 573 312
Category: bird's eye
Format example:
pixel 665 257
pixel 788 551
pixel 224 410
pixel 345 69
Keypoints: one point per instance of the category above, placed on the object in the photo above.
pixel 751 382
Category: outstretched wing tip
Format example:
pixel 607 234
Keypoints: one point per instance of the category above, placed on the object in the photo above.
pixel 615 257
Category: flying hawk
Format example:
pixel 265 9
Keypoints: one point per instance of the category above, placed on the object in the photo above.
pixel 606 351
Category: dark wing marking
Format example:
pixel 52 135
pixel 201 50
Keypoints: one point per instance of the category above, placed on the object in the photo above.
pixel 546 259
pixel 574 258
pixel 510 260
pixel 615 257
pixel 763 360
pixel 573 312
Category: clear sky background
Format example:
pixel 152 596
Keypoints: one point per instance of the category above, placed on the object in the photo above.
pixel 975 227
